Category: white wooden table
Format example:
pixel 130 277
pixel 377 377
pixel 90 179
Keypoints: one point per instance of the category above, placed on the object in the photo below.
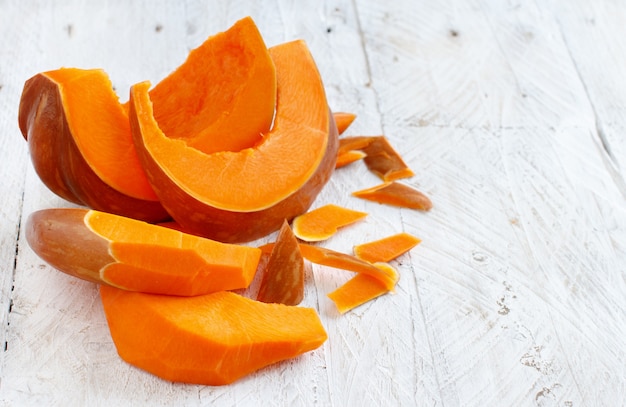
pixel 512 115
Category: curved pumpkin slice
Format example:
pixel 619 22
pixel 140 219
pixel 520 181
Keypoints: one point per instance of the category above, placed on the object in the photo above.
pixel 212 339
pixel 241 196
pixel 137 256
pixel 222 98
pixel 80 143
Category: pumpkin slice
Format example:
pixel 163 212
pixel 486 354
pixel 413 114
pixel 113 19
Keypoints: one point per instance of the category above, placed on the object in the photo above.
pixel 80 143
pixel 137 256
pixel 323 222
pixel 348 157
pixel 357 291
pixel 212 339
pixel 241 196
pixel 387 248
pixel 236 102
pixel 343 120
pixel 396 194
pixel 383 160
pixel 283 276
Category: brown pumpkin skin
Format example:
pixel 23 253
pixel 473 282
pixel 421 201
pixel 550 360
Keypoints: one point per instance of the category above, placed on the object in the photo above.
pixel 58 161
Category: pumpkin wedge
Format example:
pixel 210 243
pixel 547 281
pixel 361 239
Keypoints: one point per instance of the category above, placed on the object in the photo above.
pixel 212 339
pixel 137 256
pixel 244 195
pixel 238 92
pixel 80 143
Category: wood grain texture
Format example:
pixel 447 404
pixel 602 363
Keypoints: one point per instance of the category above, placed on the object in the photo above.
pixel 511 115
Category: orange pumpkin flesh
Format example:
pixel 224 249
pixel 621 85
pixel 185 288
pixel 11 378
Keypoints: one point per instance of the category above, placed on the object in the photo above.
pixel 80 143
pixel 343 120
pixel 348 157
pixel 357 291
pixel 238 97
pixel 283 275
pixel 323 222
pixel 213 339
pixel 387 248
pixel 396 194
pixel 134 255
pixel 241 196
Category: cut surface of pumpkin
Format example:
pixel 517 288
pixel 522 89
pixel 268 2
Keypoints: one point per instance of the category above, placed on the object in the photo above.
pixel 212 339
pixel 323 222
pixel 387 248
pixel 343 120
pixel 357 291
pixel 222 98
pixel 137 256
pixel 244 195
pixel 283 276
pixel 396 194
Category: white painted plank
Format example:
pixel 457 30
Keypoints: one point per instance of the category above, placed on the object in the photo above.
pixel 485 99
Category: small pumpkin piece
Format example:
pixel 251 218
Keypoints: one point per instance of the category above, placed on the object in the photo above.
pixel 382 272
pixel 396 194
pixel 323 222
pixel 357 291
pixel 212 339
pixel 283 276
pixel 387 248
pixel 354 143
pixel 349 157
pixel 343 120
pixel 383 160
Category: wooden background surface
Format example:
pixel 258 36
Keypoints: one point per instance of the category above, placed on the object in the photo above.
pixel 512 115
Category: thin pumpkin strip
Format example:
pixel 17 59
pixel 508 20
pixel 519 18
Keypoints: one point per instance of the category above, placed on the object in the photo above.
pixel 343 120
pixel 323 222
pixel 384 273
pixel 349 157
pixel 283 276
pixel 354 143
pixel 212 339
pixel 357 291
pixel 383 160
pixel 396 194
pixel 387 248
